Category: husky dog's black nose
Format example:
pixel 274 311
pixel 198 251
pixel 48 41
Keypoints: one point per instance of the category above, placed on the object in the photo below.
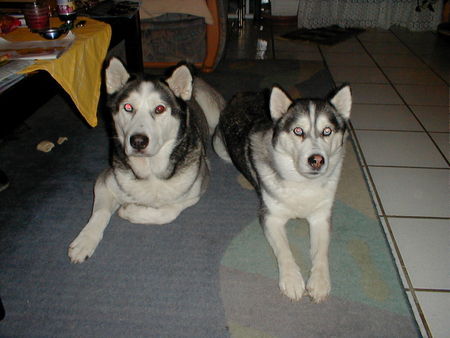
pixel 316 161
pixel 139 141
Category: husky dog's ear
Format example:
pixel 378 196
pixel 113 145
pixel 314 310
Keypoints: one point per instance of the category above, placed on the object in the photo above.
pixel 342 101
pixel 116 76
pixel 181 82
pixel 279 103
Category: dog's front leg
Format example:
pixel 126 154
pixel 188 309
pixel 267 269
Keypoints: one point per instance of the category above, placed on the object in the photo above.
pixel 319 285
pixel 104 206
pixel 140 214
pixel 290 279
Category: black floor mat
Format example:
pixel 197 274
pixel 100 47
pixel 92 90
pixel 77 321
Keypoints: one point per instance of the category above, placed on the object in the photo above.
pixel 324 35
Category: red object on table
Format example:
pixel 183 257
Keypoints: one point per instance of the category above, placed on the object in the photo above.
pixel 8 23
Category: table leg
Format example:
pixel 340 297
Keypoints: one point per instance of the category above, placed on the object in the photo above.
pixel 133 45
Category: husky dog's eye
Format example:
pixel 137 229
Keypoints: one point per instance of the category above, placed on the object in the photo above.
pixel 160 109
pixel 128 107
pixel 327 131
pixel 298 131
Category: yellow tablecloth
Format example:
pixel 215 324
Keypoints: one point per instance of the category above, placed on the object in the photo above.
pixel 78 70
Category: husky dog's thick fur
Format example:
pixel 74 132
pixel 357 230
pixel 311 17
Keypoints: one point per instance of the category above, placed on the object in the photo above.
pixel 159 166
pixel 291 151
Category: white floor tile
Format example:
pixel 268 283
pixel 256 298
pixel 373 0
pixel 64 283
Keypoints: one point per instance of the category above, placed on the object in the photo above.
pixel 416 315
pixel 425 247
pixel 347 59
pixel 412 192
pixel 398 60
pixel 357 74
pixel 424 95
pixel 439 64
pixel 386 47
pixel 384 117
pixel 298 55
pixel 371 188
pixel 394 253
pixel 380 35
pixel 423 243
pixel 416 76
pixel 434 118
pixel 409 37
pixel 436 308
pixel 442 140
pixel 390 148
pixel 284 45
pixel 374 94
pixel 350 46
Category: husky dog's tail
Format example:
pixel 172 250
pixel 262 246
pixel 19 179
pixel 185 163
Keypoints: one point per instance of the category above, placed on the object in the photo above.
pixel 219 147
pixel 210 100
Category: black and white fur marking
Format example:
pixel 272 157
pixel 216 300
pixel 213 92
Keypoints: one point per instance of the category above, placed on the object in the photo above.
pixel 159 165
pixel 291 151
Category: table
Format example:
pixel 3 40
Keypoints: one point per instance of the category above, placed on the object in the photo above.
pixel 124 19
pixel 78 71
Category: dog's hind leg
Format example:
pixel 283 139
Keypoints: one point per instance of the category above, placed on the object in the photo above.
pixel 290 279
pixel 319 285
pixel 84 245
pixel 219 146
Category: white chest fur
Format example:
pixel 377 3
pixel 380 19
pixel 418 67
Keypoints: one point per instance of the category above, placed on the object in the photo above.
pixel 298 199
pixel 154 191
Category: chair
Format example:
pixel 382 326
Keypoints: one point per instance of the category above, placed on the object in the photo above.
pixel 173 37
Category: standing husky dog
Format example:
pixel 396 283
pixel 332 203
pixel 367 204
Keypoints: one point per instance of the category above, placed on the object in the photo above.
pixel 292 153
pixel 159 166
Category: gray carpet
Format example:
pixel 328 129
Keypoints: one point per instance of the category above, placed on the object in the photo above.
pixel 207 274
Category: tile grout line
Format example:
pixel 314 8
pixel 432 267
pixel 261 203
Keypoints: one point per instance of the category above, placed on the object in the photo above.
pixel 391 236
pixel 383 213
pixel 396 104
pixel 419 217
pixel 378 82
pixel 431 290
pixel 403 100
pixel 419 57
pixel 380 206
pixel 404 167
pixel 400 130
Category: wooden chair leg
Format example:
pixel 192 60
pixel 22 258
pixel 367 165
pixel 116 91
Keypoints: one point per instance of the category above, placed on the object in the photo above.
pixel 212 38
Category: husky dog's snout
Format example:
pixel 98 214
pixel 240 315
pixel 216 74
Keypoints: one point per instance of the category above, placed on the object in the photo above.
pixel 316 161
pixel 139 141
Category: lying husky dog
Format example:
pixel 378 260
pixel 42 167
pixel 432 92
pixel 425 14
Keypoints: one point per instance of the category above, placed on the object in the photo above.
pixel 292 153
pixel 159 165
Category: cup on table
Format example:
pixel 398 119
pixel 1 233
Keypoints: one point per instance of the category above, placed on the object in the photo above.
pixel 37 15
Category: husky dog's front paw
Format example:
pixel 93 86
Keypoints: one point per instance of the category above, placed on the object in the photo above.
pixel 319 285
pixel 292 284
pixel 83 247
